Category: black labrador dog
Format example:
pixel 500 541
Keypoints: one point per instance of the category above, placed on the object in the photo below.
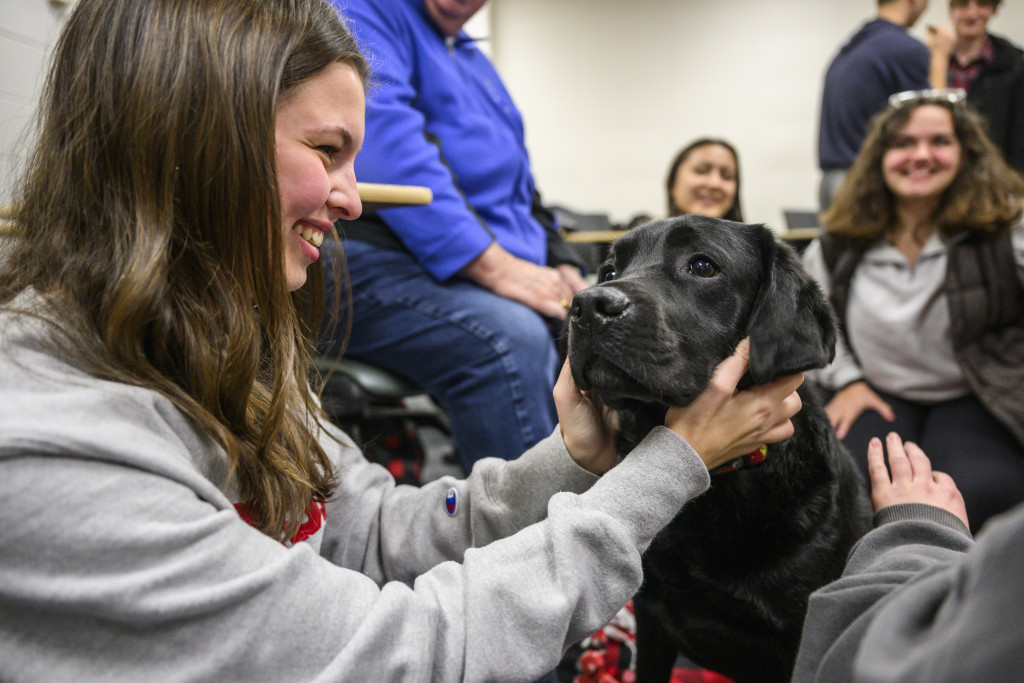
pixel 726 583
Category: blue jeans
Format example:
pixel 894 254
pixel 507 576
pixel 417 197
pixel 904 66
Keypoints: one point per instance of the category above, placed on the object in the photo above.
pixel 488 361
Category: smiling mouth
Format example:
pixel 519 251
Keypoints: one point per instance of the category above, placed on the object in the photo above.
pixel 314 237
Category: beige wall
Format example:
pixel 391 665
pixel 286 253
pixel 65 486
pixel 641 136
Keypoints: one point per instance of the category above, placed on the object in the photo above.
pixel 610 90
pixel 28 29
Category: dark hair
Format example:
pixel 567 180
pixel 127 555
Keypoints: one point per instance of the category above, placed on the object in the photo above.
pixel 985 194
pixel 991 3
pixel 149 216
pixel 735 212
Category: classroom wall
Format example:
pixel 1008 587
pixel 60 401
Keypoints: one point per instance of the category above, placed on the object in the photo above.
pixel 28 30
pixel 610 90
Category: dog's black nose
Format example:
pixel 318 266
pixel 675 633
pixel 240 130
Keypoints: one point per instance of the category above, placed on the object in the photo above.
pixel 598 305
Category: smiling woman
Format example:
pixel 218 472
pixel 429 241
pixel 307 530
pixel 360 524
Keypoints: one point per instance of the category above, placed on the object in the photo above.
pixel 704 178
pixel 318 132
pixel 924 259
pixel 172 495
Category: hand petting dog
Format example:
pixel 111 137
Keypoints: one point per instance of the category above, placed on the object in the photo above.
pixel 721 424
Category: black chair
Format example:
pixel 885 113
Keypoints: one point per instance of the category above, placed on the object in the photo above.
pixel 388 416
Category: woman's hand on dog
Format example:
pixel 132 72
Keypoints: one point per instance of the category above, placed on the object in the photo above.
pixel 722 424
pixel 850 402
pixel 912 479
pixel 588 426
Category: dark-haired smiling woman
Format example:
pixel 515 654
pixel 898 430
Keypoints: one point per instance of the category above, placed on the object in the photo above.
pixel 704 178
pixel 924 258
pixel 174 505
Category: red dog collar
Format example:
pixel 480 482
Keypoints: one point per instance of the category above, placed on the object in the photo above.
pixel 747 460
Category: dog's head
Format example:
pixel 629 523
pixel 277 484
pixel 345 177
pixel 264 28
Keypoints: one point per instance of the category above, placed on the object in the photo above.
pixel 673 299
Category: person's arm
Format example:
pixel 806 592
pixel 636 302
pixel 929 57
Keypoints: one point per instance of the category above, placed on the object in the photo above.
pixel 902 593
pixel 131 549
pixel 403 145
pixel 445 234
pixel 499 498
pixel 940 40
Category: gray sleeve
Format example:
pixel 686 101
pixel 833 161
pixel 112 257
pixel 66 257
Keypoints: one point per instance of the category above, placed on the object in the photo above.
pixel 103 556
pixel 395 533
pixel 844 368
pixel 910 598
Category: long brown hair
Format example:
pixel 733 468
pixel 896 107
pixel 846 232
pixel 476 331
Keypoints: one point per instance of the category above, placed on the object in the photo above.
pixel 149 215
pixel 985 194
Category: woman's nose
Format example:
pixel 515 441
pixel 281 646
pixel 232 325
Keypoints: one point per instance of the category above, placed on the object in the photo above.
pixel 922 150
pixel 343 201
pixel 716 180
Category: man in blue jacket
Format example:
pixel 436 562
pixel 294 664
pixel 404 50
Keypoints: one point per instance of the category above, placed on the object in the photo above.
pixel 457 295
pixel 882 58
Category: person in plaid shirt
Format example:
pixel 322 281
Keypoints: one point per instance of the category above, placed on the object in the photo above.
pixel 990 68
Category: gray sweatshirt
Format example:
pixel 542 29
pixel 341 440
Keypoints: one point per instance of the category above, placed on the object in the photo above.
pixel 122 556
pixel 919 601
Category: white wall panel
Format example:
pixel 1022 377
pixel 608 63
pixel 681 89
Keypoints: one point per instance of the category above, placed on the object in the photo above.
pixel 610 90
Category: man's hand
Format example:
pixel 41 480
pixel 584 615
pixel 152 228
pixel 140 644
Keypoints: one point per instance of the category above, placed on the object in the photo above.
pixel 912 479
pixel 541 288
pixel 572 276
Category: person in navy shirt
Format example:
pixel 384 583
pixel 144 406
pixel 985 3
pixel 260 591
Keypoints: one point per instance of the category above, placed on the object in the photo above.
pixel 881 59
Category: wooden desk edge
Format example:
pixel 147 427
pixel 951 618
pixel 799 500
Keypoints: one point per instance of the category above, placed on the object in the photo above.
pixel 376 193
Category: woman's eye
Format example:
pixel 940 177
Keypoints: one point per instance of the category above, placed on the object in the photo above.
pixel 701 267
pixel 606 274
pixel 328 151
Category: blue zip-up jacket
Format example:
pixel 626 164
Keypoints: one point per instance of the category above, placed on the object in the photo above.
pixel 438 115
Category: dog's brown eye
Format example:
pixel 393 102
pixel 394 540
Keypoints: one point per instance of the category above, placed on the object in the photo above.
pixel 606 274
pixel 702 267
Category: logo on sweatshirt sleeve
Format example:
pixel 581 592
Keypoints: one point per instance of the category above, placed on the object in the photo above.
pixel 451 501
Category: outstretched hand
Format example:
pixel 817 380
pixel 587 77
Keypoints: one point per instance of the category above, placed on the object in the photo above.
pixel 722 423
pixel 912 479
pixel 588 426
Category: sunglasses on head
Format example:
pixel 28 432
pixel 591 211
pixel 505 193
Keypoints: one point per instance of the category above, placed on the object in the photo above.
pixel 950 95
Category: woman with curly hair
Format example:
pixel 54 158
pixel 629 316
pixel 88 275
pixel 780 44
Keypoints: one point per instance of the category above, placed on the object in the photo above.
pixel 923 256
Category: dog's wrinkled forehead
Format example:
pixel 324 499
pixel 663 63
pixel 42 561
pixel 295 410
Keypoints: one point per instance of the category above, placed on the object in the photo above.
pixel 731 246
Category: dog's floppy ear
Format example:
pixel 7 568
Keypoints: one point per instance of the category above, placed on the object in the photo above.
pixel 791 325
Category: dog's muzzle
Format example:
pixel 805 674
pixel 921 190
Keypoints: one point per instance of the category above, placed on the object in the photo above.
pixel 597 307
